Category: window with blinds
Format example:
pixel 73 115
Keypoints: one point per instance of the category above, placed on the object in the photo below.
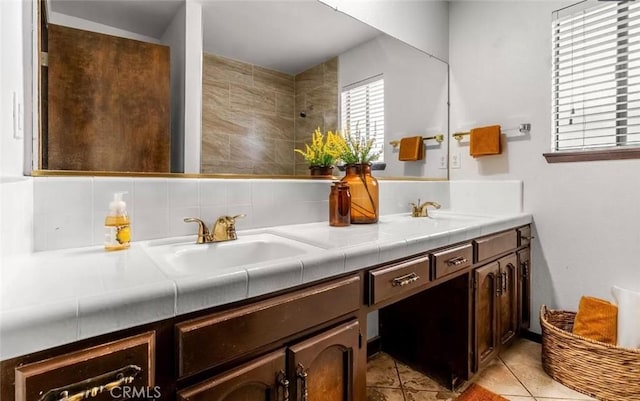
pixel 596 77
pixel 363 110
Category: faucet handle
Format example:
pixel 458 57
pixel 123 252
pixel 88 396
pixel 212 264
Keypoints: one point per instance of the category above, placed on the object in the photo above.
pixel 203 232
pixel 238 216
pixel 224 229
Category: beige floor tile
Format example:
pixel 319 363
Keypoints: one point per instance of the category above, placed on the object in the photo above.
pixel 414 380
pixel 384 394
pixel 523 359
pixel 521 351
pixel 381 371
pixel 496 377
pixel 561 399
pixel 518 398
pixel 421 395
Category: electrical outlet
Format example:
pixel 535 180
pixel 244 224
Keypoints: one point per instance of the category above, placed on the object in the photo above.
pixel 443 162
pixel 455 160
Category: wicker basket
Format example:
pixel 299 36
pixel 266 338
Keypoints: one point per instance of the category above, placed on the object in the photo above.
pixel 591 367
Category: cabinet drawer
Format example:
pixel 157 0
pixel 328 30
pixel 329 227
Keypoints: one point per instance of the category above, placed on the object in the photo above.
pixel 390 281
pixel 220 337
pixel 494 245
pixel 452 260
pixel 96 370
pixel 524 236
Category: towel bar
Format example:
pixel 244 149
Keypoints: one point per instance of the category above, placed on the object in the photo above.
pixel 524 129
pixel 438 138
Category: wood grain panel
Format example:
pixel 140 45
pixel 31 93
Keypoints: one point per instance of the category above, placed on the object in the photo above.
pixel 108 103
pixel 211 340
pixel 81 370
pixel 494 245
pixel 398 280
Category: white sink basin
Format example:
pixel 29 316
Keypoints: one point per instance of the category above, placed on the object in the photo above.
pixel 184 257
pixel 434 217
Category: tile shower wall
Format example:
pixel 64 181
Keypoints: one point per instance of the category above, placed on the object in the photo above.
pixel 316 97
pixel 251 116
pixel 247 118
pixel 69 211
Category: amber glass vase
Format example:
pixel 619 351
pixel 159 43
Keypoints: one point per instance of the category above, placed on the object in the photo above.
pixel 364 193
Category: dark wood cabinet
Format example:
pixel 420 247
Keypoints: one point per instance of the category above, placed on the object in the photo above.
pixel 263 379
pixel 101 372
pixel 321 368
pixel 325 366
pixel 446 312
pixel 486 292
pixel 524 287
pixel 496 307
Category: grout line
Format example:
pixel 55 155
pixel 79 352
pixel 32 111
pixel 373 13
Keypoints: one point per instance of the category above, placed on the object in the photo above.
pixel 516 376
pixel 395 365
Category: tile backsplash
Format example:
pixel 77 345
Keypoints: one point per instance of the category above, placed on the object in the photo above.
pixel 69 211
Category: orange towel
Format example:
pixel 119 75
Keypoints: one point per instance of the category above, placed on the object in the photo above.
pixel 485 141
pixel 411 149
pixel 597 319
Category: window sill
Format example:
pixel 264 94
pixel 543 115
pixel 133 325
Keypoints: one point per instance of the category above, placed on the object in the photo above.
pixel 592 155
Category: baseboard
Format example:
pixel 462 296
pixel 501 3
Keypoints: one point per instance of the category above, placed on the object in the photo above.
pixel 530 335
pixel 374 345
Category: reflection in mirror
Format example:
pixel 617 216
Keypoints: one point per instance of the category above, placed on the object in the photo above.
pixel 273 73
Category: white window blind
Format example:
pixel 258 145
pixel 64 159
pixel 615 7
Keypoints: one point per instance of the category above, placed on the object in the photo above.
pixel 596 77
pixel 363 110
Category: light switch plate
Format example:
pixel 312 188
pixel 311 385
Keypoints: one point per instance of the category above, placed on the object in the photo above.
pixel 455 160
pixel 16 113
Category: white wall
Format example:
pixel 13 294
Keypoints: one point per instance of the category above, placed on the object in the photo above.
pixel 11 82
pixel 423 24
pixel 415 87
pixel 193 87
pixel 16 192
pixel 174 37
pixel 586 214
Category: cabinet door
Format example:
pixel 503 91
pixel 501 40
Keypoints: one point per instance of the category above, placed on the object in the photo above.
pixel 524 296
pixel 262 379
pixel 508 300
pixel 324 367
pixel 487 293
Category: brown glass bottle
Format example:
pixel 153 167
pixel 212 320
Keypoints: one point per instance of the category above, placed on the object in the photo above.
pixel 364 193
pixel 339 204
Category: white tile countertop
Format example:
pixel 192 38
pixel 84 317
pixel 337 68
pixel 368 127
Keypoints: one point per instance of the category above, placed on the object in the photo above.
pixel 57 297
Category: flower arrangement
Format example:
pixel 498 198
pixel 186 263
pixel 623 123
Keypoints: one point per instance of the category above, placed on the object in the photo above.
pixel 358 148
pixel 324 150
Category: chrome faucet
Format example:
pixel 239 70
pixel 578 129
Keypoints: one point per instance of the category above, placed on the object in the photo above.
pixel 224 229
pixel 420 209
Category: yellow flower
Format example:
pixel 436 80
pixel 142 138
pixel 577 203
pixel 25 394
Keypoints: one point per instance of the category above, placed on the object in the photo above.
pixel 323 150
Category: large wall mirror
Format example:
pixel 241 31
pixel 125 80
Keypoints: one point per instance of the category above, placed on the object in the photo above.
pixel 272 72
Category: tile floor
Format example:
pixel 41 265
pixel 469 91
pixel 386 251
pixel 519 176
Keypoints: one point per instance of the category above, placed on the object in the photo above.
pixel 516 374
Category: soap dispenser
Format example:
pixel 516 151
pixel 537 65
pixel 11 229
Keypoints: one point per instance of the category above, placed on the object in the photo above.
pixel 117 225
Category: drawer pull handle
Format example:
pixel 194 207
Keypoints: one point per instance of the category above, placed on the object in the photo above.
pixel 404 280
pixel 90 388
pixel 457 261
pixel 284 383
pixel 301 373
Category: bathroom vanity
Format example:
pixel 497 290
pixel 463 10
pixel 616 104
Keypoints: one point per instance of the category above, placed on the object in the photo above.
pixel 451 292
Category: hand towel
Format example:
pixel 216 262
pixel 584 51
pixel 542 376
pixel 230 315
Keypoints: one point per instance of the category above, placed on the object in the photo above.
pixel 628 317
pixel 597 319
pixel 485 141
pixel 411 149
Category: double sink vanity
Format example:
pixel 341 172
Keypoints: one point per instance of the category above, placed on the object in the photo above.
pixel 278 314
